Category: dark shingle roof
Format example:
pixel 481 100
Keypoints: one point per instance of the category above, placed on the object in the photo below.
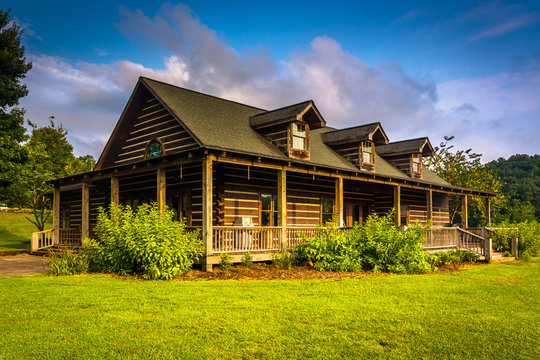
pixel 225 125
pixel 405 147
pixel 278 115
pixel 352 134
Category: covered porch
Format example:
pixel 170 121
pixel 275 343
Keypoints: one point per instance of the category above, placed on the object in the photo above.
pixel 240 204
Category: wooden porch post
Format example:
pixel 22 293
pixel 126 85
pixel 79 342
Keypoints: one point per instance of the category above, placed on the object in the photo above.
pixel 207 210
pixel 488 211
pixel 85 212
pixel 338 204
pixel 397 205
pixel 464 213
pixel 429 204
pixel 115 190
pixel 161 189
pixel 56 214
pixel 282 205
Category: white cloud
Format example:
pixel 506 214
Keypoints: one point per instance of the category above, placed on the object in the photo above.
pixel 88 98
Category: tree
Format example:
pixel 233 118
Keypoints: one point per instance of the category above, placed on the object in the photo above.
pixel 463 168
pixel 50 156
pixel 13 67
pixel 521 177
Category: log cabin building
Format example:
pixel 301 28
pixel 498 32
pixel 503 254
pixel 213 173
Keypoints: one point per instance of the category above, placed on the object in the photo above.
pixel 250 179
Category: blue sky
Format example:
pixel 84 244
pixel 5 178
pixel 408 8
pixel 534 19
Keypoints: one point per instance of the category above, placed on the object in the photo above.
pixel 463 68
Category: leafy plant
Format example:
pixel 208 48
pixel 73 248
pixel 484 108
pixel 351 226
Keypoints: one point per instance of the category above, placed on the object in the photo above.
pixel 66 262
pixel 247 260
pixel 378 245
pixel 441 258
pixel 145 241
pixel 527 233
pixel 282 260
pixel 225 263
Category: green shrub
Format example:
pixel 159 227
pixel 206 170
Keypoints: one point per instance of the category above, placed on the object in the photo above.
pixel 282 260
pixel 145 241
pixel 66 262
pixel 225 263
pixel 378 245
pixel 441 258
pixel 247 260
pixel 528 234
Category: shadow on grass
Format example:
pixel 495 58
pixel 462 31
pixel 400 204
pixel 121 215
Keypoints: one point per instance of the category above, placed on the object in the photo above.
pixel 12 241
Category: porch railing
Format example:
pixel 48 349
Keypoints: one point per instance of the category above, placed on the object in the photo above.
pixel 69 237
pixel 41 240
pixel 238 239
pixel 454 237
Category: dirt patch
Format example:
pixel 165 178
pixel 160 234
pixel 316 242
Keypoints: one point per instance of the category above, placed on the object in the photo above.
pixel 21 265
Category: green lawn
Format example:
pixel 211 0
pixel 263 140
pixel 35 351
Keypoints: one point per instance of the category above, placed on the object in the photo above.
pixel 485 311
pixel 15 231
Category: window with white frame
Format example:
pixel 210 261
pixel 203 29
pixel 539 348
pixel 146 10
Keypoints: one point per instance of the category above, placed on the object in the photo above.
pixel 299 136
pixel 366 152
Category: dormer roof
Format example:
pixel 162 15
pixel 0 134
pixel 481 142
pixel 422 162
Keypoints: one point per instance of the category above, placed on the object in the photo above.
pixel 405 147
pixel 305 111
pixel 373 132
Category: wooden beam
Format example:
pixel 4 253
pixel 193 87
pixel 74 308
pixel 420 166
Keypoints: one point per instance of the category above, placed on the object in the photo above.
pixel 488 211
pixel 115 190
pixel 397 205
pixel 207 200
pixel 338 203
pixel 282 205
pixel 56 214
pixel 464 213
pixel 85 212
pixel 161 188
pixel 429 203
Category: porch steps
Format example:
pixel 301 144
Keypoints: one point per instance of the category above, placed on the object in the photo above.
pixel 499 257
pixel 48 250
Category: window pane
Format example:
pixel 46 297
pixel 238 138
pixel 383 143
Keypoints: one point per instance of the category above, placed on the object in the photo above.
pixel 415 167
pixel 266 202
pixel 366 147
pixel 265 218
pixel 299 143
pixel 275 219
pixel 299 130
pixel 328 206
pixel 326 218
pixel 366 158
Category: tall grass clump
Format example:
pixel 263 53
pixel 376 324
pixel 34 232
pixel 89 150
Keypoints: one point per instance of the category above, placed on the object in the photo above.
pixel 377 245
pixel 144 241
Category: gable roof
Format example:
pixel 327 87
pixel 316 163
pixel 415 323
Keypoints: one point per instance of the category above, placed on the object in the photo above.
pixel 355 134
pixel 419 145
pixel 287 114
pixel 224 125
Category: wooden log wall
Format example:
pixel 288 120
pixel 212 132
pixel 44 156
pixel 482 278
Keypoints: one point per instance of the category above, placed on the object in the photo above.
pixel 416 202
pixel 239 191
pixel 277 135
pixel 70 206
pixel 402 162
pixel 350 151
pixel 441 212
pixel 304 194
pixel 188 178
pixel 100 195
pixel 154 122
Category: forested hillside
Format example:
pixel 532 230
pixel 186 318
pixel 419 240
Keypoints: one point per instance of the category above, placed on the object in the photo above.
pixel 521 177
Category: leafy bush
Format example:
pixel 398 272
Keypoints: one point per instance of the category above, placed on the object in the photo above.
pixel 66 262
pixel 528 234
pixel 378 245
pixel 247 260
pixel 441 258
pixel 225 263
pixel 143 241
pixel 282 260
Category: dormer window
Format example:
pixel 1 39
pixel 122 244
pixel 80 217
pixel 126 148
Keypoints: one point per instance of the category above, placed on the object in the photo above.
pixel 367 156
pixel 299 136
pixel 416 166
pixel 154 149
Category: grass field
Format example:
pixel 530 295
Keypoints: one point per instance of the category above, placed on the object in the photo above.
pixel 15 231
pixel 484 311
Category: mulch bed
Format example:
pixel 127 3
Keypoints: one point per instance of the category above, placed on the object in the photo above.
pixel 268 272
